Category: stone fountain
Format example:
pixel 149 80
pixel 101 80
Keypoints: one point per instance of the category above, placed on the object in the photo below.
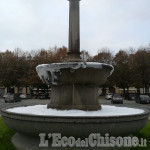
pixel 75 83
pixel 74 86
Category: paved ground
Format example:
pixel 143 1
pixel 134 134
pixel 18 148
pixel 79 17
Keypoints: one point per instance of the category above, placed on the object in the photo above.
pixel 127 103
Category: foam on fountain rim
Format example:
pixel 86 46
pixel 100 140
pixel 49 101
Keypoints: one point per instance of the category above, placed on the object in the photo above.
pixel 74 65
pixel 53 68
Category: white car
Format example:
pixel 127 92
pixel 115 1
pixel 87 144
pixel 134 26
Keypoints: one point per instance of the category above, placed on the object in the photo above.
pixel 109 96
pixel 23 96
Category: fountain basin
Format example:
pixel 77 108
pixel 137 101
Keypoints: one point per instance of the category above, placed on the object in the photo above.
pixel 81 73
pixel 77 126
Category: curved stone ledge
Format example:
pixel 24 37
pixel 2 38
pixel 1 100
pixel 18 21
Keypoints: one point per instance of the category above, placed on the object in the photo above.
pixel 75 126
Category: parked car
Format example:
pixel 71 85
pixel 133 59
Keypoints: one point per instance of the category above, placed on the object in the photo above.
pixel 44 96
pixel 142 99
pixel 5 95
pixel 109 96
pixel 25 96
pixel 130 96
pixel 117 98
pixel 36 96
pixel 11 98
pixel 29 96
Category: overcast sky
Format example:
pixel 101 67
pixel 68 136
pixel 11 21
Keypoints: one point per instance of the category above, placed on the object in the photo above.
pixel 35 24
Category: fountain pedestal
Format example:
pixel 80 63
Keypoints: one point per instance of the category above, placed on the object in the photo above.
pixel 74 97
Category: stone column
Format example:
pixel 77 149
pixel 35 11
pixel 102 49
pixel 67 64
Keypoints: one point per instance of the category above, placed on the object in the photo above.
pixel 74 31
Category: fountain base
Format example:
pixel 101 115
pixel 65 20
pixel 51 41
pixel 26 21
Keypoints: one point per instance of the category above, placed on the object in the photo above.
pixel 29 126
pixel 24 142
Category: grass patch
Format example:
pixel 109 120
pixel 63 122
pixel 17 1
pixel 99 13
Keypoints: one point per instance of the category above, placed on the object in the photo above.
pixel 5 137
pixel 6 134
pixel 144 133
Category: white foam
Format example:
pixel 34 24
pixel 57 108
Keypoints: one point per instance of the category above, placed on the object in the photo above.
pixel 105 111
